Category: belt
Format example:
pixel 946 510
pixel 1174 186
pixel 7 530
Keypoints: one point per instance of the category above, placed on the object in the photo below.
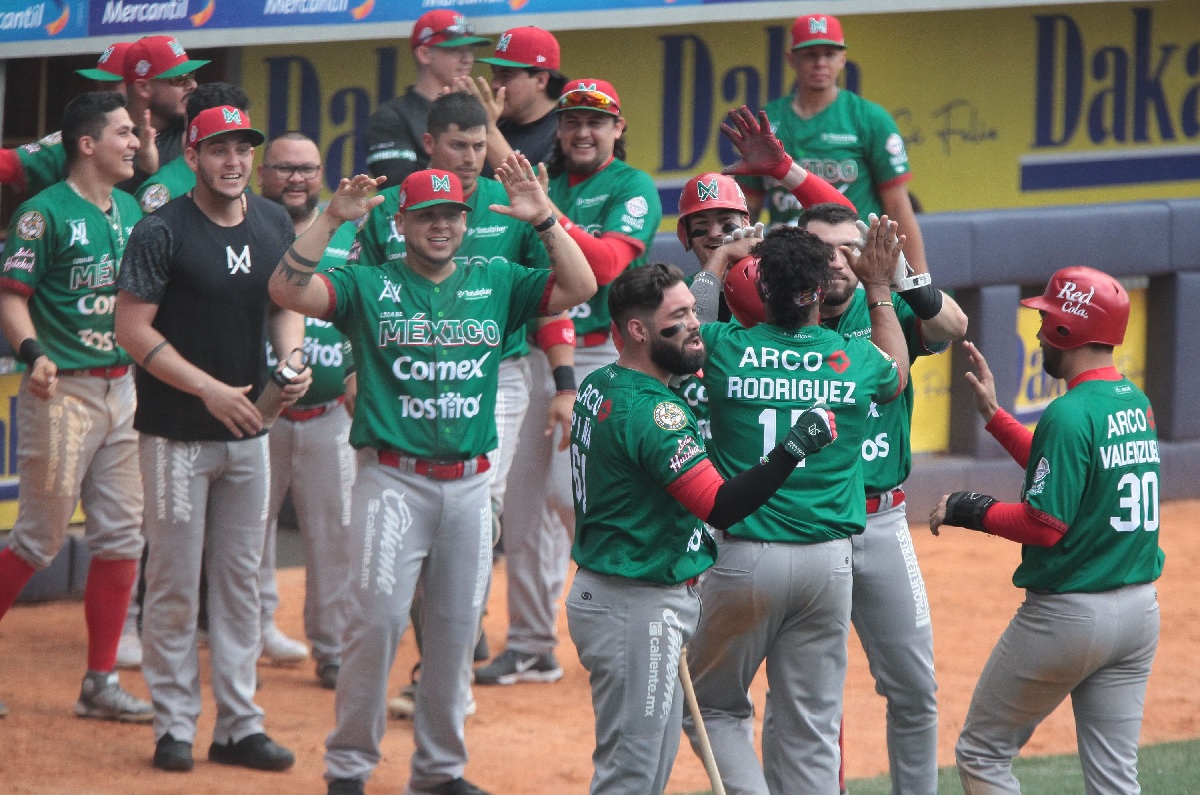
pixel 311 412
pixel 591 339
pixel 99 372
pixel 877 502
pixel 438 470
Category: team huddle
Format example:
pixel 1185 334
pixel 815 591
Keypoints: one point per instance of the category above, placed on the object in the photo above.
pixel 475 336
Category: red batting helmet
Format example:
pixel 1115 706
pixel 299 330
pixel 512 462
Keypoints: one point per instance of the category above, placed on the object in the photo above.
pixel 1082 305
pixel 741 292
pixel 708 191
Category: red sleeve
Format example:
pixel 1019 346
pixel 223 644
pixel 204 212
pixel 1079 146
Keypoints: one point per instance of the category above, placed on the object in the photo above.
pixel 1016 521
pixel 1012 435
pixel 21 288
pixel 697 488
pixel 814 190
pixel 900 180
pixel 11 170
pixel 544 303
pixel 332 297
pixel 608 256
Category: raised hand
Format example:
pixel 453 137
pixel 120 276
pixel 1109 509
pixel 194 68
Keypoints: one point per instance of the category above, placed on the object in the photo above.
pixel 147 153
pixel 814 429
pixel 527 200
pixel 762 154
pixel 481 89
pixel 355 197
pixel 982 382
pixel 880 254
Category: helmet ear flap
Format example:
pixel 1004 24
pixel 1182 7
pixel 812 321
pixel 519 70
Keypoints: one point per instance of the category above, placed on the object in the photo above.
pixel 708 191
pixel 1082 305
pixel 742 292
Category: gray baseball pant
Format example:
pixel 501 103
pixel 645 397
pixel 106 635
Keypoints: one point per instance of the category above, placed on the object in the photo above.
pixel 539 520
pixel 407 526
pixel 313 460
pixel 1096 648
pixel 629 635
pixel 890 611
pixel 203 500
pixel 788 604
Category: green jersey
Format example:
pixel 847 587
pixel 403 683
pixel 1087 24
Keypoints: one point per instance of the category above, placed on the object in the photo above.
pixel 64 253
pixel 617 200
pixel 1093 469
pixel 853 144
pixel 886 452
pixel 759 381
pixel 491 237
pixel 169 182
pixel 325 346
pixel 631 438
pixel 44 162
pixel 428 354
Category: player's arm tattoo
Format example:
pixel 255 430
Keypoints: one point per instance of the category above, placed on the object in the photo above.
pixel 153 352
pixel 290 273
pixel 551 248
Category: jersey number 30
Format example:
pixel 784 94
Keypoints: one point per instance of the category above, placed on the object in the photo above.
pixel 1141 502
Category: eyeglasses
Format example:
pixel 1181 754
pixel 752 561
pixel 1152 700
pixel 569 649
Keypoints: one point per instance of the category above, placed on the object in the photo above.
pixel 452 31
pixel 589 99
pixel 284 171
pixel 179 81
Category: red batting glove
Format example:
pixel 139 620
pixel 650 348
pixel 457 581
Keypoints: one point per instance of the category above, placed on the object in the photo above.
pixel 762 153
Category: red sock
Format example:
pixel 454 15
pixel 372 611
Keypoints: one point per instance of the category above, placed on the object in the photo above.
pixel 105 601
pixel 14 573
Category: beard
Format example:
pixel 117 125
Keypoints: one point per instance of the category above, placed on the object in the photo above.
pixel 300 211
pixel 1052 361
pixel 676 360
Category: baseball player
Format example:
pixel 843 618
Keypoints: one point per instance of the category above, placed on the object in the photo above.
pixel 192 308
pixel 1088 524
pixel 75 403
pixel 782 587
pixel 890 609
pixel 646 501
pixel 426 332
pixel 611 210
pixel 849 141
pixel 311 457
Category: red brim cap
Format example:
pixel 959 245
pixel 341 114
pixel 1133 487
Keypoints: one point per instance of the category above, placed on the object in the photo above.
pixel 444 28
pixel 526 48
pixel 219 121
pixel 817 29
pixel 590 93
pixel 429 188
pixel 156 57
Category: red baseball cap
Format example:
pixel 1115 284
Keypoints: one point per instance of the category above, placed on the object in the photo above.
pixel 218 121
pixel 590 93
pixel 444 28
pixel 111 66
pixel 153 57
pixel 429 188
pixel 526 48
pixel 817 29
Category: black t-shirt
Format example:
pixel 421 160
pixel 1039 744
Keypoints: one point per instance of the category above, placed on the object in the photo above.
pixel 170 146
pixel 535 140
pixel 394 147
pixel 210 285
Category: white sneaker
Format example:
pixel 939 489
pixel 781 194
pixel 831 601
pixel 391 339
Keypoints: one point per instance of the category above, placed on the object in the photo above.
pixel 279 648
pixel 404 705
pixel 129 651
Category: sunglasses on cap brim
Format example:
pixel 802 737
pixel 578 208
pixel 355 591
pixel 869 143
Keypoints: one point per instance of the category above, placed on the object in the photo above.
pixel 589 99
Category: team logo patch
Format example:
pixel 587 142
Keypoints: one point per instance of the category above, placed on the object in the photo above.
pixel 440 183
pixel 231 115
pixel 708 191
pixel 142 68
pixel 20 260
pixel 1039 478
pixel 31 225
pixel 669 416
pixel 839 361
pixel 505 40
pixel 895 144
pixel 637 207
pixel 154 197
pixel 818 25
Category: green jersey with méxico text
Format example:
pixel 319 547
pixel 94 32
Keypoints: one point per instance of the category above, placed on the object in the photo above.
pixel 491 237
pixel 325 346
pixel 853 144
pixel 617 200
pixel 44 162
pixel 1094 467
pixel 64 253
pixel 631 438
pixel 428 354
pixel 759 382
pixel 886 452
pixel 169 182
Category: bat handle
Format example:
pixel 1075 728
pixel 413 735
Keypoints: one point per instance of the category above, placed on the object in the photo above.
pixel 706 752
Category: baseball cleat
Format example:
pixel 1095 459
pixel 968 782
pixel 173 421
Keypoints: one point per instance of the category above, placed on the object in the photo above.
pixel 513 666
pixel 279 649
pixel 256 751
pixel 102 697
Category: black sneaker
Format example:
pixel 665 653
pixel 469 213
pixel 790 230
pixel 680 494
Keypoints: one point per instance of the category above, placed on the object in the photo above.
pixel 257 751
pixel 513 666
pixel 482 653
pixel 345 786
pixel 327 674
pixel 172 754
pixel 457 786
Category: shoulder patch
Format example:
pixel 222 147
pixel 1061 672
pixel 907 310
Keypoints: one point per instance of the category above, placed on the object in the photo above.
pixel 894 144
pixel 1039 478
pixel 154 197
pixel 31 225
pixel 637 206
pixel 669 416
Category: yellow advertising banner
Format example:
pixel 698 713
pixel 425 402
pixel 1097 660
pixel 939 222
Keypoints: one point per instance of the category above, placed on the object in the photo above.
pixel 1000 107
pixel 931 403
pixel 9 384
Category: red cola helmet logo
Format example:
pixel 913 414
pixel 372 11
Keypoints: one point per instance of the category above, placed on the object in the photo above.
pixel 839 361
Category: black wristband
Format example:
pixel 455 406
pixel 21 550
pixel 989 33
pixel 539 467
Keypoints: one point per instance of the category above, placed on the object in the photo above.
pixel 30 351
pixel 925 301
pixel 564 378
pixel 544 226
pixel 967 508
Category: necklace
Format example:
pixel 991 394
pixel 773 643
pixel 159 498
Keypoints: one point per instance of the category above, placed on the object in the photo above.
pixel 312 220
pixel 112 218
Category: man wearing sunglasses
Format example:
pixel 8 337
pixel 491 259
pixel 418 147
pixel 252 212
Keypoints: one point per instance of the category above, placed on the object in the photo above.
pixel 442 47
pixel 612 211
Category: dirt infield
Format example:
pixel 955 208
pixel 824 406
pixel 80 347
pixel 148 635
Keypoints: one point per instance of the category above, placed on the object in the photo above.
pixel 534 739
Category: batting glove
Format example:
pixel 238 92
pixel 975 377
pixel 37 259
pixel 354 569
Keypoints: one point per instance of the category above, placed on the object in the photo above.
pixel 762 153
pixel 967 508
pixel 755 232
pixel 813 430
pixel 905 278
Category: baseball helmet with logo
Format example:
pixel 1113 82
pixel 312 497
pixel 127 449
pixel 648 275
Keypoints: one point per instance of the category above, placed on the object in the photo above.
pixel 708 191
pixel 1082 305
pixel 741 292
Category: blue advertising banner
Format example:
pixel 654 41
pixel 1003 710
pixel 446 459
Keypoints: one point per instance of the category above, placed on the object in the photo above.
pixel 23 20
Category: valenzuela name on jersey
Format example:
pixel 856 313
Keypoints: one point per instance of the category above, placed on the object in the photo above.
pixel 1128 453
pixel 774 388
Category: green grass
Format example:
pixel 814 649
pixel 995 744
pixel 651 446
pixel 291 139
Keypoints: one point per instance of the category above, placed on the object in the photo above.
pixel 1166 769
